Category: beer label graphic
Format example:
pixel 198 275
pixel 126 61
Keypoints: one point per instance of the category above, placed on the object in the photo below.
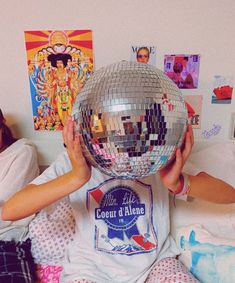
pixel 122 215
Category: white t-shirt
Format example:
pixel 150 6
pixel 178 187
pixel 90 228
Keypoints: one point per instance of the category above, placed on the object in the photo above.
pixel 18 167
pixel 122 226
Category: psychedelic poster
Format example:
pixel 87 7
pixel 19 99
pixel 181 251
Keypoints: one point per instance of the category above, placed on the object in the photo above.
pixel 183 69
pixel 222 90
pixel 194 107
pixel 59 63
pixel 144 54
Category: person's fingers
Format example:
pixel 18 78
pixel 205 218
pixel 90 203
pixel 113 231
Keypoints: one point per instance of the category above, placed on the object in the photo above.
pixel 77 145
pixel 178 161
pixel 65 130
pixel 190 130
pixel 80 158
pixel 64 133
pixel 70 135
pixel 189 140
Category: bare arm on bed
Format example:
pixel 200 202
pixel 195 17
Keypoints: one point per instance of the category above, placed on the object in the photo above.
pixel 206 187
pixel 33 198
pixel 202 186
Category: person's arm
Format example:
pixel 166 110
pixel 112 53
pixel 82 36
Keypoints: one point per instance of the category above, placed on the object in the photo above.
pixel 33 198
pixel 206 187
pixel 202 186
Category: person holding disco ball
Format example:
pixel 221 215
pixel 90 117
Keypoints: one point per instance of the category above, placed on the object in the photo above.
pixel 126 145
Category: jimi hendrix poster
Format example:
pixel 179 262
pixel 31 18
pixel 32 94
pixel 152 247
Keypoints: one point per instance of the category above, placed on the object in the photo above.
pixel 59 62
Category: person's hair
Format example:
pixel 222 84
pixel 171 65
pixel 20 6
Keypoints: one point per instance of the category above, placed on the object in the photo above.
pixel 7 135
pixel 142 48
pixel 53 58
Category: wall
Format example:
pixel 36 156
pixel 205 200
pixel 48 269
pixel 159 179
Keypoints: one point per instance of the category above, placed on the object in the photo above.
pixel 203 27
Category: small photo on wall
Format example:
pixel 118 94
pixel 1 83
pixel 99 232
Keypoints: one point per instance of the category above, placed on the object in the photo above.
pixel 194 107
pixel 144 54
pixel 222 90
pixel 183 69
pixel 232 127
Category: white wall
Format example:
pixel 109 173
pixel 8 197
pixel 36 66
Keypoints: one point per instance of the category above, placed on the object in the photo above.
pixel 205 27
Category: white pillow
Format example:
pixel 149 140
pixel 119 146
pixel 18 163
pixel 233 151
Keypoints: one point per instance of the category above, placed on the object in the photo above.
pixel 218 219
pixel 211 259
pixel 18 166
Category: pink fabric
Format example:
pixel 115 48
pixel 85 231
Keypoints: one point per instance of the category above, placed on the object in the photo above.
pixel 81 281
pixel 170 270
pixel 48 273
pixel 51 231
pixel 51 274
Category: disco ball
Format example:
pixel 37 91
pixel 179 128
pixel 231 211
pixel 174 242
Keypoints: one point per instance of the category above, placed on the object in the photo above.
pixel 132 118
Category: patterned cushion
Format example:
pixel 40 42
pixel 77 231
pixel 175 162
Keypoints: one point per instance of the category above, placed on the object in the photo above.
pixel 50 232
pixel 48 273
pixel 209 258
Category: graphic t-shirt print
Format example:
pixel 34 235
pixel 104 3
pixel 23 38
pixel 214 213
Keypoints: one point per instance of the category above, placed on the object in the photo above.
pixel 122 214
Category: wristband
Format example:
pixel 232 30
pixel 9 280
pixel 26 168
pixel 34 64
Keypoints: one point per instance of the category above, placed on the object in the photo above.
pixel 180 187
pixel 184 187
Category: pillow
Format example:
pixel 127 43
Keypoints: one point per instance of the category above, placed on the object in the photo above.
pixel 211 259
pixel 18 166
pixel 218 219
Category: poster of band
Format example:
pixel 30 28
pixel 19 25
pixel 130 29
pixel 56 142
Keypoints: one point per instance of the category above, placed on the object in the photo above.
pixel 59 62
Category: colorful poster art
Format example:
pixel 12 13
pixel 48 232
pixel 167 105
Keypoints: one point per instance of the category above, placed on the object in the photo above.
pixel 222 90
pixel 183 69
pixel 194 107
pixel 59 63
pixel 144 54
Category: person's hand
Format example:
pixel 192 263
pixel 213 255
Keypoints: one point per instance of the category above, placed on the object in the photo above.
pixel 81 170
pixel 170 174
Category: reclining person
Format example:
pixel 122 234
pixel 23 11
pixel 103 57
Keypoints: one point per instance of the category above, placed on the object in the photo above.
pixel 18 167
